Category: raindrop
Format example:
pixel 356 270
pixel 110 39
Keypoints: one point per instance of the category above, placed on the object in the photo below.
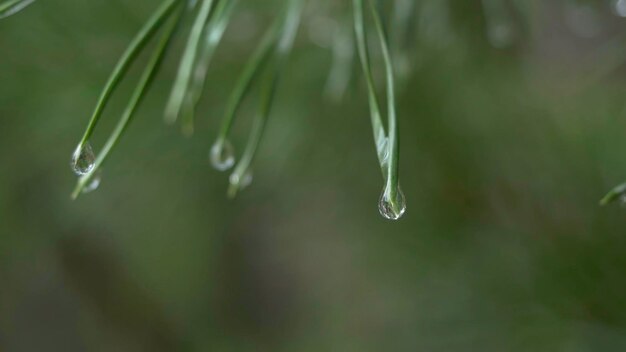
pixel 222 155
pixel 392 210
pixel 94 183
pixel 83 159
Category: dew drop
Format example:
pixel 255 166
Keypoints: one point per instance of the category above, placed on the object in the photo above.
pixel 392 210
pixel 83 159
pixel 94 183
pixel 222 155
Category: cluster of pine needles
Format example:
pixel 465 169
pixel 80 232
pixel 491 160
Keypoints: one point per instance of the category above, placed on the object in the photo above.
pixel 211 19
pixel 351 43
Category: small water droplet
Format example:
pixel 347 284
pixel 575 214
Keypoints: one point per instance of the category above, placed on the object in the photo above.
pixel 94 183
pixel 83 159
pixel 222 155
pixel 392 210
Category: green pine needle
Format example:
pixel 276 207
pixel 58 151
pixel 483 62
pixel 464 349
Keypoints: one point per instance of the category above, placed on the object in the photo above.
pixel 128 57
pixel 12 7
pixel 244 83
pixel 188 61
pixel 387 141
pixel 380 135
pixel 614 195
pixel 268 90
pixel 212 37
pixel 139 93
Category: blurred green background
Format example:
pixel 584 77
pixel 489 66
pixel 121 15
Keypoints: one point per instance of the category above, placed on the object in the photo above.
pixel 505 155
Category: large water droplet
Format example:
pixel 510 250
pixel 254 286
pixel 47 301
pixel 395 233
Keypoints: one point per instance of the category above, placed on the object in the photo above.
pixel 94 183
pixel 83 159
pixel 392 209
pixel 222 155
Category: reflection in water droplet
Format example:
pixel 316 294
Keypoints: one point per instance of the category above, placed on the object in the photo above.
pixel 222 155
pixel 392 209
pixel 83 159
pixel 94 183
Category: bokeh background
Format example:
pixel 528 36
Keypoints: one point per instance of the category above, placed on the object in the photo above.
pixel 509 135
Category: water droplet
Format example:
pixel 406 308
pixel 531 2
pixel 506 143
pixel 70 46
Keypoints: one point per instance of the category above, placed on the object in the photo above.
pixel 222 155
pixel 94 183
pixel 83 159
pixel 392 210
